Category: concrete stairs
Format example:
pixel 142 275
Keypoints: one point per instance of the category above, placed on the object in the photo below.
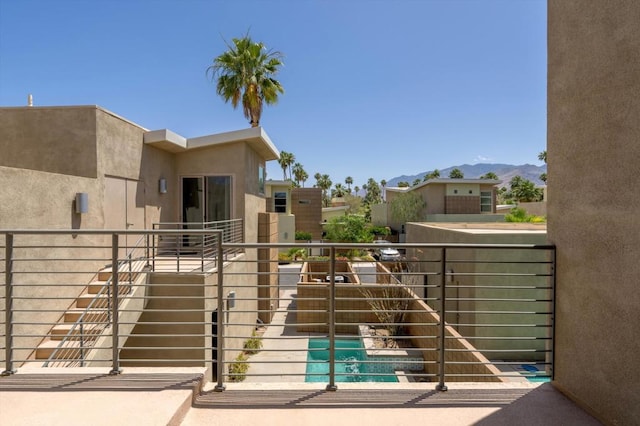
pixel 85 320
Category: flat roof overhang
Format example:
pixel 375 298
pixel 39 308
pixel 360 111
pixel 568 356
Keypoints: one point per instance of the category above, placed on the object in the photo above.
pixel 255 137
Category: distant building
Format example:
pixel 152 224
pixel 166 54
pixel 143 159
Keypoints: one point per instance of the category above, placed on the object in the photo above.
pixel 452 200
pixel 299 209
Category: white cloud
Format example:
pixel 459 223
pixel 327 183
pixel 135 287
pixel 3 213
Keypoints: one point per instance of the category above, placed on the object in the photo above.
pixel 482 159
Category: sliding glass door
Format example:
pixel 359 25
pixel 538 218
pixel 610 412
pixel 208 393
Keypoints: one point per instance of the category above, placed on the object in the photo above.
pixel 205 199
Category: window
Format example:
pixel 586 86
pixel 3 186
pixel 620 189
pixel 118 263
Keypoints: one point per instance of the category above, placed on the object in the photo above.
pixel 280 202
pixel 261 179
pixel 205 199
pixel 486 202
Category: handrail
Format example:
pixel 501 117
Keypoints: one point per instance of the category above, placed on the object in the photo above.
pixel 81 320
pixel 461 307
pixel 185 246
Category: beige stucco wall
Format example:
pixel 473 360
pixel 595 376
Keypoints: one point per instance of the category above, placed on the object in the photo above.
pixel 225 160
pixel 286 229
pixel 253 205
pixel 87 144
pixel 508 233
pixel 593 148
pixel 50 154
pixel 47 138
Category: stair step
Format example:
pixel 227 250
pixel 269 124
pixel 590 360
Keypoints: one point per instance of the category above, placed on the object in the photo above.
pixel 96 286
pixel 97 315
pixel 71 350
pixel 96 301
pixel 89 331
pixel 105 275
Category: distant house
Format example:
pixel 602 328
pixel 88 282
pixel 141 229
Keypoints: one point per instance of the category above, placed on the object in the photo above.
pixel 299 209
pixel 472 200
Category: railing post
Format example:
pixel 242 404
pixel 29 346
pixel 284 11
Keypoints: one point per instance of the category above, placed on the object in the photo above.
pixel 81 344
pixel 179 240
pixel 220 317
pixel 8 305
pixel 114 304
pixel 332 320
pixel 443 302
pixel 553 314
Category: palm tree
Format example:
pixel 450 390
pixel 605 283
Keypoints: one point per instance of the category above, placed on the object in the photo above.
pixel 245 73
pixel 456 174
pixel 299 174
pixel 543 157
pixel 433 175
pixel 356 189
pixel 349 181
pixel 286 160
pixel 489 175
pixel 383 184
pixel 324 183
pixel 339 190
pixel 372 197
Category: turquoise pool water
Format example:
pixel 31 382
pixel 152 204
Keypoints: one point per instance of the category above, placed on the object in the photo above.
pixel 349 365
pixel 533 374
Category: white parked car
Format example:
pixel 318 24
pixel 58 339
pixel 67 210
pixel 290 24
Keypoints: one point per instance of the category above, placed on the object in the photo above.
pixel 386 253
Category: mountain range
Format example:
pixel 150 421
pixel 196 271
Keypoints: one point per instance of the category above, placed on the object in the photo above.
pixel 505 173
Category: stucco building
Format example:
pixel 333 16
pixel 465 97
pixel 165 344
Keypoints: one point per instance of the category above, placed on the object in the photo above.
pixel 445 200
pixel 86 168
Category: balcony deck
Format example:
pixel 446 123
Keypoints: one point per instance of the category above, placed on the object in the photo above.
pixel 161 396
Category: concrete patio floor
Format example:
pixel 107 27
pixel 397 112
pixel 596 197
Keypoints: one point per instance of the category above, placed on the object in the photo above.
pixel 155 397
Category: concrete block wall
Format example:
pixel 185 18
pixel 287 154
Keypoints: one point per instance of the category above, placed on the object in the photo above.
pixel 462 204
pixel 267 266
pixel 306 206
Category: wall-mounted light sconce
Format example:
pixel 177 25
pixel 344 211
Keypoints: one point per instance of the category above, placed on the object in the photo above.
pixel 162 186
pixel 231 300
pixel 82 202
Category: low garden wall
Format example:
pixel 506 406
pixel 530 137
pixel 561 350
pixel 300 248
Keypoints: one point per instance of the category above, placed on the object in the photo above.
pixel 463 362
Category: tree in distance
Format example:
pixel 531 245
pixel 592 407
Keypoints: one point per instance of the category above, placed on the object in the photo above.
pixel 456 174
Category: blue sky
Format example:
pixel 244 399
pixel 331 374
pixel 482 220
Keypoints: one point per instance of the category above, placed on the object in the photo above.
pixel 374 89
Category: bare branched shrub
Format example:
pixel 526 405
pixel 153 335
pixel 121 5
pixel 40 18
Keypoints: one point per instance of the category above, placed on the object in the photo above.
pixel 389 303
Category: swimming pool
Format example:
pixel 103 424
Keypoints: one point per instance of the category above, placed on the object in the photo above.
pixel 532 374
pixel 350 367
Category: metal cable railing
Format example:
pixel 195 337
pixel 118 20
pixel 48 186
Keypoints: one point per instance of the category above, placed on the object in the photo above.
pixel 441 313
pixel 82 335
pixel 186 248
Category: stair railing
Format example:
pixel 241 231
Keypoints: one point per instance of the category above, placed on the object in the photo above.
pixel 97 320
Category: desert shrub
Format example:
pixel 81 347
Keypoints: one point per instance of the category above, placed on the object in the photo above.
pixel 303 236
pixel 284 257
pixel 389 303
pixel 253 345
pixel 518 214
pixel 380 230
pixel 238 370
pixel 297 253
